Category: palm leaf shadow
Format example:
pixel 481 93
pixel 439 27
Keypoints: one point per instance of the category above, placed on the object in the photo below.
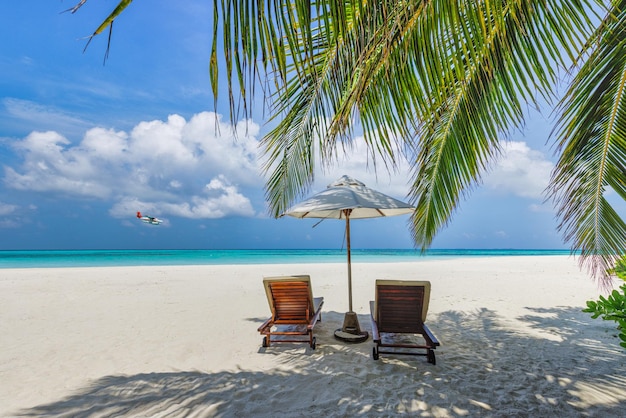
pixel 476 375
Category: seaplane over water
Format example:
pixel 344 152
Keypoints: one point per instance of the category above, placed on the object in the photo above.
pixel 148 219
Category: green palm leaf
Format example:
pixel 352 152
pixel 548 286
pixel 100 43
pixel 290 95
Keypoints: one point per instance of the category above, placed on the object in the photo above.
pixel 500 55
pixel 437 82
pixel 592 142
pixel 106 23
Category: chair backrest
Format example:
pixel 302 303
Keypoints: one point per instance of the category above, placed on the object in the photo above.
pixel 401 305
pixel 290 297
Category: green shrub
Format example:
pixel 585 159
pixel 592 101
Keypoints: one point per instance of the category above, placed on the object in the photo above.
pixel 620 268
pixel 611 308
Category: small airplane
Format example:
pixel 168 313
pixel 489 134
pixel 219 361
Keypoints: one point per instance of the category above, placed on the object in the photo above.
pixel 148 219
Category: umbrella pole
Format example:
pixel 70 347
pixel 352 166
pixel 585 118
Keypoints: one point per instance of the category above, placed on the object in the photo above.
pixel 349 261
pixel 351 330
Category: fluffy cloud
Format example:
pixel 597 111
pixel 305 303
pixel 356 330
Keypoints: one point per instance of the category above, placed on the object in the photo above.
pixel 185 168
pixel 219 199
pixel 198 168
pixel 356 162
pixel 519 171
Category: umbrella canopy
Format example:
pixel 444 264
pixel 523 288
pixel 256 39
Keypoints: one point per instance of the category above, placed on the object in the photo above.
pixel 348 198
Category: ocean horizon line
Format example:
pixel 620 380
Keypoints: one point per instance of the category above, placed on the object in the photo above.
pixel 281 249
pixel 160 257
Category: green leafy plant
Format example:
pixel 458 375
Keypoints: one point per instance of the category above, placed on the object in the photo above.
pixel 611 308
pixel 620 269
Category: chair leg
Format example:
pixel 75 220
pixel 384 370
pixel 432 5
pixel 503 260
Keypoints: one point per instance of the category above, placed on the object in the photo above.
pixel 375 352
pixel 431 357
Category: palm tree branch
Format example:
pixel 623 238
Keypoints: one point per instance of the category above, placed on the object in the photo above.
pixel 301 104
pixel 591 131
pixel 461 134
pixel 362 65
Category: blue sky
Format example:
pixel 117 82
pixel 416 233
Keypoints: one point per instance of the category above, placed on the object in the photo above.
pixel 83 146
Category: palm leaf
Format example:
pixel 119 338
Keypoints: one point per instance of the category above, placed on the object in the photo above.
pixel 500 55
pixel 106 23
pixel 438 82
pixel 592 142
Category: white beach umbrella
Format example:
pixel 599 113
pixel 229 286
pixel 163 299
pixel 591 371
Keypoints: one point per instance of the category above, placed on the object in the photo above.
pixel 348 198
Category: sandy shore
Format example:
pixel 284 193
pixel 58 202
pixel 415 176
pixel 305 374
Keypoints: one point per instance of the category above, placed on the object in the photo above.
pixel 182 341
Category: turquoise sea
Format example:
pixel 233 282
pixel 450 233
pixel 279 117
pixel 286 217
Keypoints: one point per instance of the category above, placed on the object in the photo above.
pixel 103 258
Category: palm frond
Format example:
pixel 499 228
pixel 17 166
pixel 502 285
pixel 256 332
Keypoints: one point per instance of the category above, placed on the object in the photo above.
pixel 438 82
pixel 592 141
pixel 106 23
pixel 482 64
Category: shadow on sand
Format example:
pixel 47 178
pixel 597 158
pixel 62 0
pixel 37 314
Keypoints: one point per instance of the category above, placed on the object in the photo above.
pixel 485 367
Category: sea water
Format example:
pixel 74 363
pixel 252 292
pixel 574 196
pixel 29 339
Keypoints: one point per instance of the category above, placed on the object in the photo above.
pixel 104 258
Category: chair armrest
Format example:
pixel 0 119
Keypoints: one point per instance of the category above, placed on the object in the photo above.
pixel 317 303
pixel 375 333
pixel 265 325
pixel 430 337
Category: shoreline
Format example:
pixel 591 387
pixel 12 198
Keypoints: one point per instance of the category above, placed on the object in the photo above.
pixel 117 258
pixel 182 340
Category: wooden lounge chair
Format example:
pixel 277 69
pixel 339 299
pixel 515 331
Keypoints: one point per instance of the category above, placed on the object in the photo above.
pixel 294 310
pixel 398 316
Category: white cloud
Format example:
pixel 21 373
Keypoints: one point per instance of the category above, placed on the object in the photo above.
pixel 105 144
pixel 189 168
pixel 519 171
pixel 7 209
pixel 219 199
pixel 50 166
pixel 199 168
pixel 357 163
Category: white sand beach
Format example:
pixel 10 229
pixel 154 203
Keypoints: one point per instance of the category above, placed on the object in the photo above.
pixel 183 342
